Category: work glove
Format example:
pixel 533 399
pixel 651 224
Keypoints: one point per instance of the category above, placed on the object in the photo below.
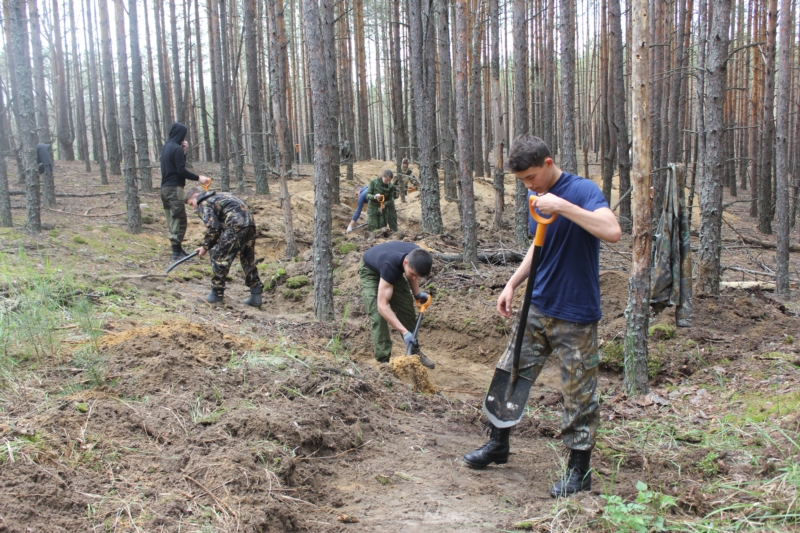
pixel 410 340
pixel 422 297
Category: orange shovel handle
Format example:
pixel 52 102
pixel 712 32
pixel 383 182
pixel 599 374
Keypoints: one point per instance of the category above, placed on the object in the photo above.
pixel 542 223
pixel 423 306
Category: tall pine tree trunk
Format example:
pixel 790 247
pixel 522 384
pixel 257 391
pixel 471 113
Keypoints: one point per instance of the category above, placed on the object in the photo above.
pixel 180 109
pixel 110 111
pixel 139 111
pixel 497 111
pixel 569 156
pixel 464 124
pixel 94 100
pixel 126 128
pixel 765 205
pixel 782 169
pixel 42 118
pixel 25 111
pixel 423 75
pixel 521 116
pixel 5 198
pixel 708 277
pixel 202 89
pixel 80 107
pixel 62 106
pixel 638 309
pixel 323 251
pixel 222 93
pixel 329 50
pixel 620 117
pixel 445 104
pixel 153 97
pixel 361 72
pixel 254 98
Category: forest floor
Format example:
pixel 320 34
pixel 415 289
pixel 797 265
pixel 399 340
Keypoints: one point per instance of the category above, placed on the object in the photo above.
pixel 127 405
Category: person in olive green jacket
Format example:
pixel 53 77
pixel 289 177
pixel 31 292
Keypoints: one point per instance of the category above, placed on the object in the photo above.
pixel 377 216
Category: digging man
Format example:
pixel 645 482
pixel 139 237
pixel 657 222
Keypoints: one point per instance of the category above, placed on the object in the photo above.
pixel 173 180
pixel 404 176
pixel 230 231
pixel 390 274
pixel 565 306
pixel 380 209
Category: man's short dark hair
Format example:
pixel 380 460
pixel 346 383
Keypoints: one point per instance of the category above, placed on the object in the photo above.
pixel 190 193
pixel 387 174
pixel 420 260
pixel 526 152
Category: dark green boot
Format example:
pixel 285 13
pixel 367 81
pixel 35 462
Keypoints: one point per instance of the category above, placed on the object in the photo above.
pixel 178 252
pixel 214 297
pixel 255 297
pixel 494 451
pixel 578 476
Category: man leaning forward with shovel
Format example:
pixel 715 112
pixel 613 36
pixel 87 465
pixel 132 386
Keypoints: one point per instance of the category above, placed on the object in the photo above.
pixel 390 274
pixel 564 308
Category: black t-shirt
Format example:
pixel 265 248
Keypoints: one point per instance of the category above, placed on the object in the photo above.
pixel 387 259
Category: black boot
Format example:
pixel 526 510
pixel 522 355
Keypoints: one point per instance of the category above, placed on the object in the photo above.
pixel 255 297
pixel 214 297
pixel 578 476
pixel 494 451
pixel 178 252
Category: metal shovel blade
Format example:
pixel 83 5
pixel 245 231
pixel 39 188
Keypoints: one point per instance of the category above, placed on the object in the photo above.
pixel 179 261
pixel 503 409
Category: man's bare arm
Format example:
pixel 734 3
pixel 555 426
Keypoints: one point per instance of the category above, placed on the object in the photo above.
pixel 602 223
pixel 385 292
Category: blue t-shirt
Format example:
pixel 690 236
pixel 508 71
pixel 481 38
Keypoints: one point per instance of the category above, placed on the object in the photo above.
pixel 568 279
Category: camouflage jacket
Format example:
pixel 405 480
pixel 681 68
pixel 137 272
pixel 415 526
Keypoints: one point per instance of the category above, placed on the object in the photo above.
pixel 377 186
pixel 221 211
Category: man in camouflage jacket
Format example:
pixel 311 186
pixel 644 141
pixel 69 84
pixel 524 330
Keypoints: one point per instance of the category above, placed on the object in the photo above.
pixel 403 177
pixel 230 231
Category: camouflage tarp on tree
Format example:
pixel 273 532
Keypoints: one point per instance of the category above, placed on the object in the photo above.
pixel 672 260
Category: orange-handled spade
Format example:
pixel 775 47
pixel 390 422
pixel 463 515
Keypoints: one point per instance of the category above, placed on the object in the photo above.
pixel 207 186
pixel 505 401
pixel 422 307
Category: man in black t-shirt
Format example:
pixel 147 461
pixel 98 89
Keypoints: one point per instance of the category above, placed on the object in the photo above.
pixel 389 275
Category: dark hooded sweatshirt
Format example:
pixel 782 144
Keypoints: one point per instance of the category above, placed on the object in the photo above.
pixel 173 160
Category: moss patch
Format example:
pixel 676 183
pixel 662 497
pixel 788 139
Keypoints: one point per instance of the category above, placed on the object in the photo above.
pixel 297 281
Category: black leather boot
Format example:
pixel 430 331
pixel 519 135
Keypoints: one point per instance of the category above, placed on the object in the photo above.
pixel 255 297
pixel 178 252
pixel 495 451
pixel 578 476
pixel 214 297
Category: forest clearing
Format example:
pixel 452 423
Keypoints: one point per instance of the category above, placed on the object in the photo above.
pixel 129 406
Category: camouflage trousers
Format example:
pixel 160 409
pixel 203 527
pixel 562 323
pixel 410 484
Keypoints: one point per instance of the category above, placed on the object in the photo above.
pixel 377 218
pixel 234 241
pixel 576 347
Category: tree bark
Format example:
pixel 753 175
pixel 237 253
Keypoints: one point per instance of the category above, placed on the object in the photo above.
pixel 222 92
pixel 620 118
pixel 5 197
pixel 497 110
pixel 278 64
pixel 423 70
pixel 139 110
pixel 464 125
pixel 361 72
pixel 126 128
pixel 475 93
pixel 62 106
pixel 323 251
pixel 399 117
pixel 42 118
pixel 254 98
pixel 445 104
pixel 765 205
pixel 110 111
pixel 550 137
pixel 94 100
pixel 329 51
pixel 80 107
pixel 569 156
pixel 202 89
pixel 25 112
pixel 637 311
pixel 708 277
pixel 521 115
pixel 180 109
pixel 782 169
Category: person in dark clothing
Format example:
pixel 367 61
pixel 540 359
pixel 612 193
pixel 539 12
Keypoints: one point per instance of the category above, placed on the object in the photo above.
pixel 230 231
pixel 43 158
pixel 173 180
pixel 390 274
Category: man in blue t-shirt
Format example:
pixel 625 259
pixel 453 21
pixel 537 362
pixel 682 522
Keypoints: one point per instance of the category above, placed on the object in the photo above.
pixel 565 305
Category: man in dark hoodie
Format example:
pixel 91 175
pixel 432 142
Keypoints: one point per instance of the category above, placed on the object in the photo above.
pixel 230 230
pixel 173 179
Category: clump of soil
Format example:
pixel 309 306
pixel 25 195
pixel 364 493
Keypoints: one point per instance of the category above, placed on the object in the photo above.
pixel 410 370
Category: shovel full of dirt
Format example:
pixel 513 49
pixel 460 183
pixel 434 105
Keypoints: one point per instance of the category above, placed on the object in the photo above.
pixel 508 392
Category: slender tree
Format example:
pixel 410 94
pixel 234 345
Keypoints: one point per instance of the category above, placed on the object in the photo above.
pixel 521 116
pixel 180 109
pixel 620 117
pixel 221 103
pixel 464 126
pixel 637 311
pixel 110 111
pixel 254 98
pixel 569 158
pixel 80 107
pixel 765 205
pixel 497 110
pixel 329 50
pixel 94 99
pixel 42 118
pixel 126 128
pixel 5 197
pixel 139 111
pixel 25 111
pixel 782 169
pixel 446 135
pixel 711 181
pixel 202 90
pixel 361 72
pixel 62 104
pixel 323 251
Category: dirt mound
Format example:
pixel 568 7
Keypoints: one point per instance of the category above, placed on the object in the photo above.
pixel 411 371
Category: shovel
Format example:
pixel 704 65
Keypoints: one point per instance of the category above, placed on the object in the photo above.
pixel 505 401
pixel 179 261
pixel 422 307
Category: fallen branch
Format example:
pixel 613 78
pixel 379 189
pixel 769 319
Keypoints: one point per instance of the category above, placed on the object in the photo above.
pixel 69 195
pixel 616 205
pixel 756 272
pixel 219 502
pixel 140 276
pixel 80 215
pixel 759 242
pixel 495 258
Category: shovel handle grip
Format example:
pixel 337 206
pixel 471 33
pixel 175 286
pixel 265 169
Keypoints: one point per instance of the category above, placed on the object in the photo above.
pixel 382 199
pixel 542 223
pixel 424 305
pixel 207 186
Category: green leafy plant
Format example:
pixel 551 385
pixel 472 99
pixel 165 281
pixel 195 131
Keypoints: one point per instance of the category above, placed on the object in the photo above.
pixel 663 331
pixel 347 247
pixel 297 281
pixel 642 515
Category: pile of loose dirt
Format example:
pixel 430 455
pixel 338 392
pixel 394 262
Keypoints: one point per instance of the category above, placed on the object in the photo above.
pixel 411 371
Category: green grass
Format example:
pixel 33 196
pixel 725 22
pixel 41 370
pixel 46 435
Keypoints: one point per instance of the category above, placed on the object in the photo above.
pixel 297 282
pixel 347 247
pixel 663 331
